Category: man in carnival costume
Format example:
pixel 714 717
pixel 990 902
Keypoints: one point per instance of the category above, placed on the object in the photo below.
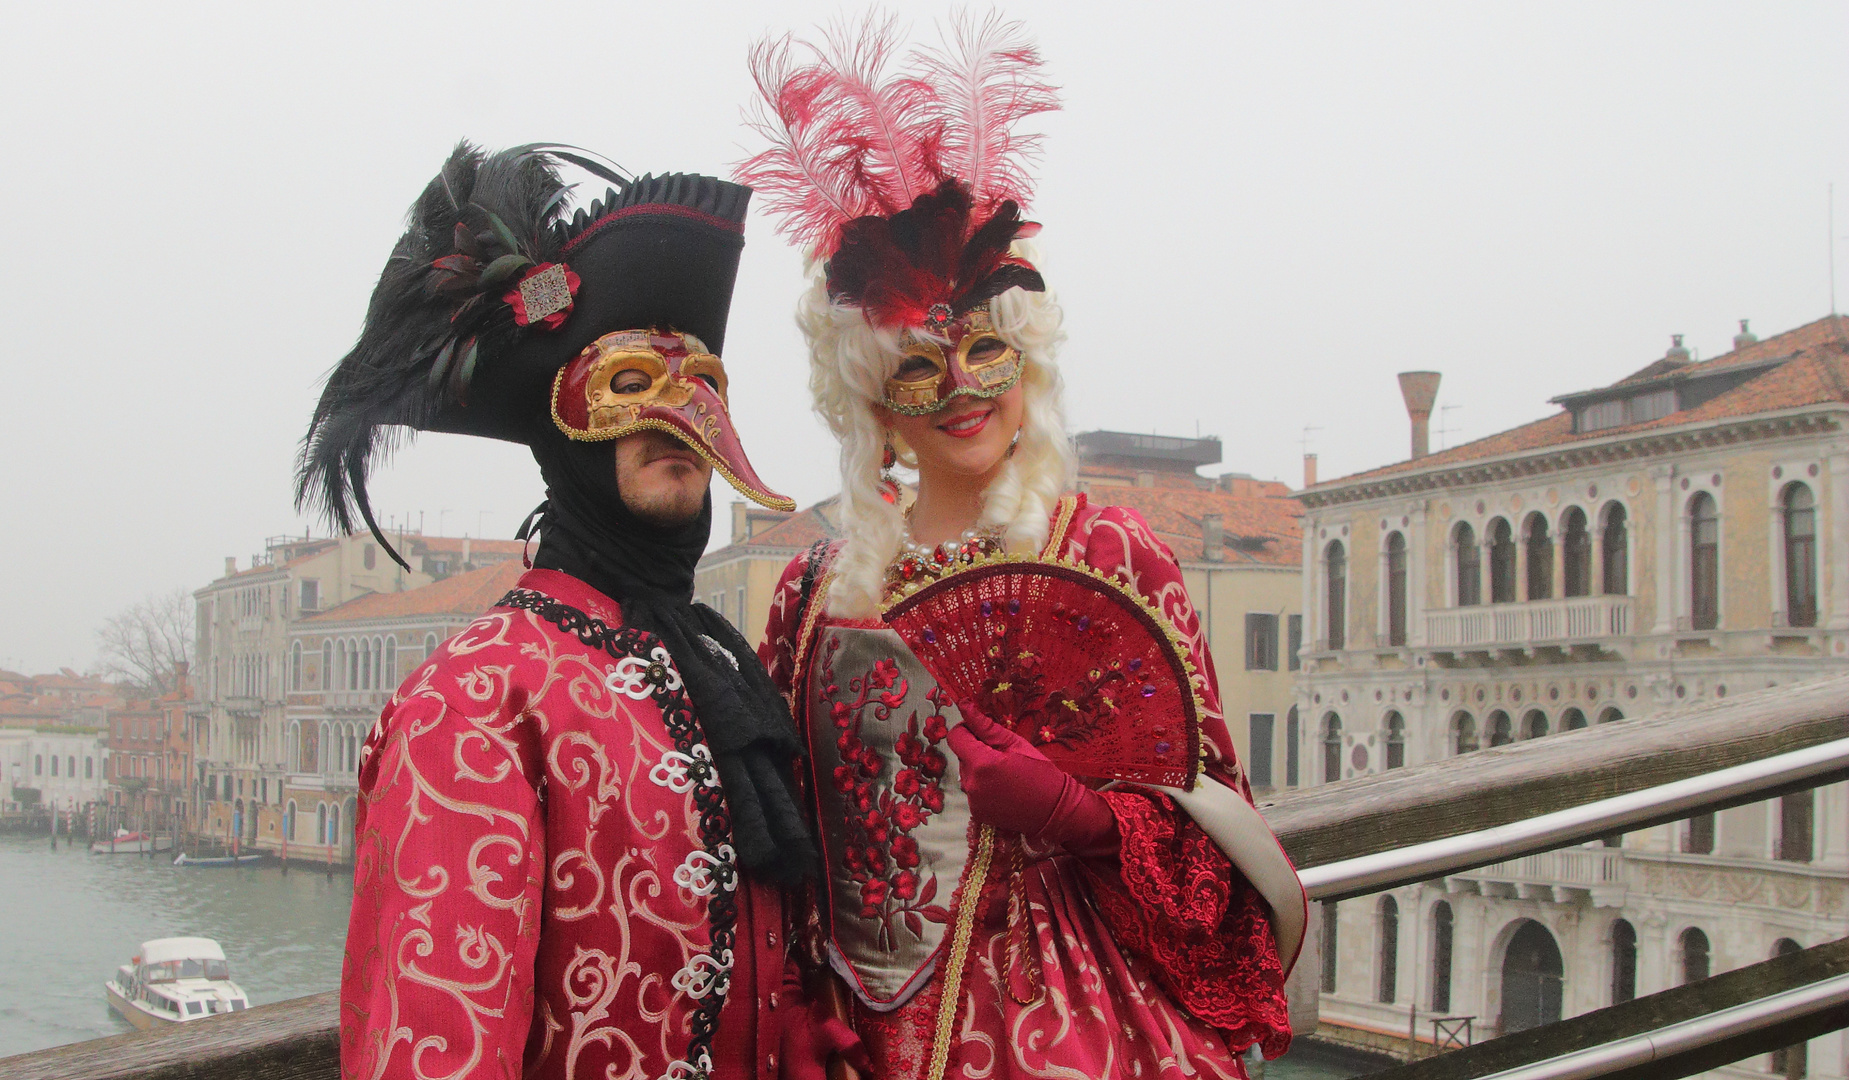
pixel 576 817
pixel 1128 931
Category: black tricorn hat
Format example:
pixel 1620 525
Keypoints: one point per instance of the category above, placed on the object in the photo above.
pixel 492 290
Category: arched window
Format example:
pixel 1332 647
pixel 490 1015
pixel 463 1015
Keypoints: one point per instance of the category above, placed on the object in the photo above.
pixel 391 662
pixel 1540 558
pixel 1532 979
pixel 295 665
pixel 1698 836
pixel 54 764
pixel 1800 556
pixel 1575 554
pixel 430 645
pixel 38 764
pixel 1695 959
pixel 1396 740
pixel 1293 741
pixel 353 665
pixel 1329 946
pixel 1534 725
pixel 1499 729
pixel 1469 560
pixel 1616 556
pixel 288 821
pixel 1572 720
pixel 371 556
pixel 1501 562
pixel 327 664
pixel 1441 957
pixel 1794 826
pixel 1396 589
pixel 1335 574
pixel 1623 962
pixel 1389 964
pixel 1611 714
pixel 1332 748
pixel 89 768
pixel 1466 728
pixel 1791 1062
pixel 321 823
pixel 1704 562
pixel 333 824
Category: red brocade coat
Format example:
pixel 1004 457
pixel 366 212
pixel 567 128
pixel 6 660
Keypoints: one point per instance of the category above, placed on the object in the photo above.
pixel 1162 964
pixel 544 883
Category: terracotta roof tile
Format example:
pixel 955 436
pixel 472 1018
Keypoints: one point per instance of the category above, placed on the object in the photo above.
pixel 1264 530
pixel 468 593
pixel 1814 370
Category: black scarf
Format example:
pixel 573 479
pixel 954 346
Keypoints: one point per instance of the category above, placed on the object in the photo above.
pixel 589 533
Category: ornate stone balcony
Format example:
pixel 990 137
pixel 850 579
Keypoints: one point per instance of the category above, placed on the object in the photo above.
pixel 1567 876
pixel 1580 619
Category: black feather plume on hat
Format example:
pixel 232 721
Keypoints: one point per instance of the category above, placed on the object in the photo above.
pixel 483 222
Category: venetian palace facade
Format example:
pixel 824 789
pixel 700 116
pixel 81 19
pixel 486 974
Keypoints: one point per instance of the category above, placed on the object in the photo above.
pixel 1677 536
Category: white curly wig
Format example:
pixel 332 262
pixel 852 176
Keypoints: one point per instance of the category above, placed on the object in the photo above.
pixel 849 363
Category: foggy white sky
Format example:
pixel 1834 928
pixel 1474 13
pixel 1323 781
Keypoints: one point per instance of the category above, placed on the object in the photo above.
pixel 1254 217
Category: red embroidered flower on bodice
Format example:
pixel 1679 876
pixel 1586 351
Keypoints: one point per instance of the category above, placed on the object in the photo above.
pixel 881 855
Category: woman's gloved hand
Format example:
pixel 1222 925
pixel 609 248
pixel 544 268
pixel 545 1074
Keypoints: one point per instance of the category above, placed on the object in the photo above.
pixel 1012 786
pixel 817 1043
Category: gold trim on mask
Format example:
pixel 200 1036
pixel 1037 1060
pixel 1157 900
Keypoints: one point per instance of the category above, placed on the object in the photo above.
pixel 992 377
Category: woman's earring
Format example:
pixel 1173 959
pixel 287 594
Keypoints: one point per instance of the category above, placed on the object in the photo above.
pixel 889 484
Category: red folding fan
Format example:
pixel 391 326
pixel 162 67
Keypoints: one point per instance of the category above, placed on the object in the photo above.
pixel 1067 658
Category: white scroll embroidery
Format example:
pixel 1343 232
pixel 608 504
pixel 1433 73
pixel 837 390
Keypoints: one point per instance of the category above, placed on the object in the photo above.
pixel 696 874
pixel 675 770
pixel 690 1070
pixel 704 976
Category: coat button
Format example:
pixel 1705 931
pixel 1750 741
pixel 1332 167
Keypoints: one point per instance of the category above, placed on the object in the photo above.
pixel 770 1062
pixel 773 999
pixel 770 939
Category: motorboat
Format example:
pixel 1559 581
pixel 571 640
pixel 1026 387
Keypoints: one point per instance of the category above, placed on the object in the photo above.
pixel 175 980
pixel 183 859
pixel 131 843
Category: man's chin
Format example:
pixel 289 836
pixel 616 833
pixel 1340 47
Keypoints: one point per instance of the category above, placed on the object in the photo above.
pixel 670 512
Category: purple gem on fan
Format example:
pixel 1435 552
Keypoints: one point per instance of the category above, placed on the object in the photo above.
pixel 930 636
pixel 1149 691
pixel 1136 664
pixel 1162 748
pixel 988 608
pixel 1014 607
pixel 1084 622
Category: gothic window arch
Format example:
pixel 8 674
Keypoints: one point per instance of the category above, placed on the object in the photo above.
pixel 1293 747
pixel 1791 1062
pixel 1575 553
pixel 1441 956
pixel 1623 962
pixel 1464 728
pixel 1611 714
pixel 1388 963
pixel 1696 960
pixel 1539 540
pixel 1332 748
pixel 1501 562
pixel 1534 724
pixel 1335 587
pixel 1396 740
pixel 1615 552
pixel 1500 729
pixel 1572 719
pixel 1467 561
pixel 1396 588
pixel 1799 510
pixel 1704 584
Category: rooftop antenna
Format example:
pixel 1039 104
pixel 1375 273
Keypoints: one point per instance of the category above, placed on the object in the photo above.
pixel 1444 424
pixel 1832 219
pixel 1306 440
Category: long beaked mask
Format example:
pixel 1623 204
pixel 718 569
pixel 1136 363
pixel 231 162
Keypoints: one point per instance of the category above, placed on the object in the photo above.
pixel 685 397
pixel 977 363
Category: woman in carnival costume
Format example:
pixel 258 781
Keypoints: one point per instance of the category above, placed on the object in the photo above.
pixel 1125 931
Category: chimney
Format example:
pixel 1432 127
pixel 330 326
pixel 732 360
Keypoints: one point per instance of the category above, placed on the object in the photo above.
pixel 1309 470
pixel 179 677
pixel 1420 389
pixel 1676 351
pixel 741 523
pixel 231 565
pixel 465 552
pixel 1213 537
pixel 1745 337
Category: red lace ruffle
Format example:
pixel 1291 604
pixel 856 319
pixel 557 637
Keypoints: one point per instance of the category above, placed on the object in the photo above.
pixel 1179 905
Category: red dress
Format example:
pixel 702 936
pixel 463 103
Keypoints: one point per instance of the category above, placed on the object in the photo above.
pixel 1160 965
pixel 543 881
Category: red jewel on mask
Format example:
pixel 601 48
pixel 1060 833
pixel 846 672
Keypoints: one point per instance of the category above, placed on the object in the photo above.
pixel 937 319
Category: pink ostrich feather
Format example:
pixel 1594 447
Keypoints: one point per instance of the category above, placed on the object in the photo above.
pixel 987 76
pixel 848 138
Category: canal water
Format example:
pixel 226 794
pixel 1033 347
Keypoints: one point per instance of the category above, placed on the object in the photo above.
pixel 69 919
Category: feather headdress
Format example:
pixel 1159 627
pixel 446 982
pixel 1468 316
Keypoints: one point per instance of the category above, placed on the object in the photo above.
pixel 908 183
pixel 493 288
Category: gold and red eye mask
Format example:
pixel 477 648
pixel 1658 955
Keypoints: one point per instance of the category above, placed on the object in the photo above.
pixel 682 391
pixel 977 363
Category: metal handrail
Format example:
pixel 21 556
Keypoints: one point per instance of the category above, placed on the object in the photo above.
pixel 1665 1042
pixel 1453 854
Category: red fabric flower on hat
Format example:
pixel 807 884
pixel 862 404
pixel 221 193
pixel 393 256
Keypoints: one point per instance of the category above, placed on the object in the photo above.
pixel 544 295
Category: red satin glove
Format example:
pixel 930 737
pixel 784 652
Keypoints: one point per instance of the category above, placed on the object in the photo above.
pixel 1012 786
pixel 814 1036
